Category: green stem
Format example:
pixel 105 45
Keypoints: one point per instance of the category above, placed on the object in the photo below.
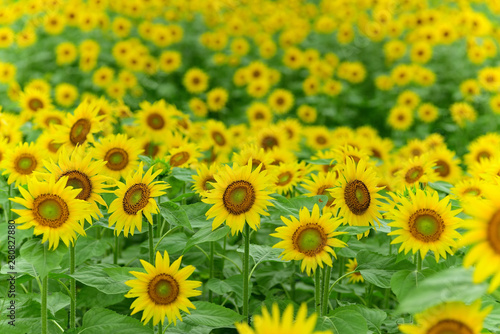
pixel 326 286
pixel 292 282
pixel 419 262
pixel 338 280
pixel 160 328
pixel 212 250
pixel 45 288
pixel 10 204
pixel 159 221
pixel 341 273
pixel 151 244
pixel 115 253
pixel 72 282
pixel 369 295
pixel 317 296
pixel 246 260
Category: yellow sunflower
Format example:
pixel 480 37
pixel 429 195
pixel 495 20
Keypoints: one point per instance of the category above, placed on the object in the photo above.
pixel 203 179
pixel 33 100
pixel 356 194
pixel 157 118
pixel 135 197
pixel 52 209
pixel 259 114
pixel 310 238
pixel 273 324
pixel 240 195
pixel 451 317
pixel 423 222
pixel 415 171
pixel 400 118
pixel 280 101
pixel 355 277
pixel 120 154
pixel 271 137
pixel 195 80
pixel 256 154
pixel 218 136
pixel 163 290
pixel 82 173
pixel 468 188
pixel 185 156
pixel 46 118
pixel 21 162
pixel 483 234
pixel 287 176
pixel 319 184
pixel 447 165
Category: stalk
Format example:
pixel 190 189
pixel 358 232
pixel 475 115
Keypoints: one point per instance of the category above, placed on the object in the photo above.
pixel 115 253
pixel 151 244
pixel 45 287
pixel 317 294
pixel 72 282
pixel 326 287
pixel 212 250
pixel 246 260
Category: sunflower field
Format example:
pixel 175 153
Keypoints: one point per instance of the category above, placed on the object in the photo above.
pixel 249 166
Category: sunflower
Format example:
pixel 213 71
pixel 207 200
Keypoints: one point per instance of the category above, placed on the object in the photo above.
pixel 52 209
pixel 185 156
pixel 256 154
pixel 356 194
pixel 414 171
pixel 195 80
pixel 218 136
pixel 198 107
pixel 163 290
pixel 307 114
pixel 423 222
pixel 156 118
pixel 259 114
pixel 271 137
pixel 428 112
pixel 120 153
pixel 483 234
pixel 479 150
pixel 203 179
pixel 135 197
pixel 310 238
pixel 355 277
pixel 462 112
pixel 400 118
pixel 82 173
pixel 240 195
pixel 272 324
pixel 66 53
pixel 46 118
pixel 280 101
pixel 447 165
pixel 32 101
pixel 66 94
pixel 21 162
pixel 46 142
pixel 468 188
pixel 319 137
pixel 319 184
pixel 169 61
pixel 450 317
pixel 287 175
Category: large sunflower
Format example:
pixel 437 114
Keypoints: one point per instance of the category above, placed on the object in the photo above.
pixel 240 195
pixel 356 194
pixel 52 209
pixel 135 197
pixel 452 317
pixel 21 162
pixel 120 153
pixel 484 236
pixel 274 324
pixel 423 223
pixel 163 290
pixel 82 173
pixel 310 238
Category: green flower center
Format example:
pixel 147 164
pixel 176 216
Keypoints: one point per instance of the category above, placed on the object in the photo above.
pixel 50 209
pixel 25 164
pixel 426 225
pixel 116 159
pixel 136 198
pixel 309 239
pixel 163 289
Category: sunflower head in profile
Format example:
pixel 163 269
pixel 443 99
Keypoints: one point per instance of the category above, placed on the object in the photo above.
pixel 163 290
pixel 272 323
pixel 240 195
pixel 423 222
pixel 22 161
pixel 52 209
pixel 450 317
pixel 311 238
pixel 203 178
pixel 135 197
pixel 356 276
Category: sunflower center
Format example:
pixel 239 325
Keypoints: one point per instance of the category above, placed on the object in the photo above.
pixel 52 120
pixel 473 191
pixel 256 163
pixel 79 180
pixel 53 147
pixel 284 179
pixel 414 174
pixel 482 155
pixel 426 225
pixel 136 198
pixel 239 197
pixel 442 168
pixel 50 210
pixel 25 164
pixel 494 231
pixel 151 149
pixel 219 138
pixel 116 159
pixel 450 326
pixel 35 104
pixel 79 131
pixel 322 190
pixel 179 158
pixel 269 142
pixel 163 289
pixel 309 239
pixel 156 121
pixel 357 197
pixel 321 140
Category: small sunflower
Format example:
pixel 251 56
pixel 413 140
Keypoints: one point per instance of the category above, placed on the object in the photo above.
pixel 203 179
pixel 281 101
pixel 415 171
pixel 468 188
pixel 259 114
pixel 287 177
pixel 319 184
pixel 46 118
pixel 423 222
pixel 218 136
pixel 271 137
pixel 22 161
pixel 319 137
pixel 451 317
pixel 447 165
pixel 33 100
pixel 163 290
pixel 157 118
pixel 184 156
pixel 240 195
pixel 310 238
pixel 120 153
pixel 400 118
pixel 273 324
pixel 52 209
pixel 195 80
pixel 217 99
pixel 257 154
pixel 355 277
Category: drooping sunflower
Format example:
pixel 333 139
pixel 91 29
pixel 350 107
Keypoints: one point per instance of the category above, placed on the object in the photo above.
pixel 450 317
pixel 52 209
pixel 240 195
pixel 311 238
pixel 273 324
pixel 355 277
pixel 21 162
pixel 163 290
pixel 483 234
pixel 135 197
pixel 423 222
pixel 356 194
pixel 120 153
pixel 82 173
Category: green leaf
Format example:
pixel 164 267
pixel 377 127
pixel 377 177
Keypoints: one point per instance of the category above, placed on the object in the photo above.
pixel 374 317
pixel 174 214
pixel 378 277
pixel 172 243
pixel 206 234
pixel 103 321
pixel 212 315
pixel 404 281
pixel 106 278
pixel 441 186
pixel 183 174
pixel 454 284
pixel 218 286
pixel 321 161
pixel 32 252
pixel 343 322
pixel 264 253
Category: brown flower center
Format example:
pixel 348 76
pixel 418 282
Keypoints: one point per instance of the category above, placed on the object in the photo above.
pixel 50 210
pixel 450 326
pixel 155 121
pixel 414 174
pixel 309 239
pixel 79 180
pixel 136 198
pixel 426 225
pixel 79 131
pixel 116 159
pixel 25 164
pixel 179 159
pixel 494 231
pixel 357 197
pixel 239 197
pixel 163 289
